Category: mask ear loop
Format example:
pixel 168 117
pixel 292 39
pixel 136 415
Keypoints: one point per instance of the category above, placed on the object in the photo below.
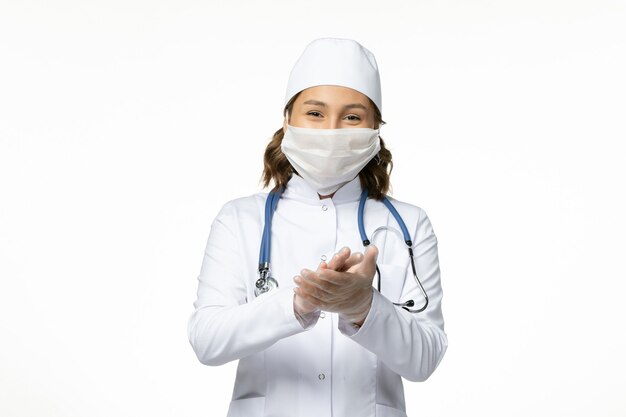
pixel 377 157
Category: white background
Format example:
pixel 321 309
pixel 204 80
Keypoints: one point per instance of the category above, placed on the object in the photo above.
pixel 125 125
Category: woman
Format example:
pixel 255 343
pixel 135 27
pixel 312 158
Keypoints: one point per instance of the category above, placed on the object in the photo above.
pixel 312 320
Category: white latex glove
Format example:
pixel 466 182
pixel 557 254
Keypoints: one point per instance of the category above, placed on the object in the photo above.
pixel 344 285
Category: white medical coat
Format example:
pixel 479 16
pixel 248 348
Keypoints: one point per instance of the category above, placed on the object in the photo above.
pixel 326 368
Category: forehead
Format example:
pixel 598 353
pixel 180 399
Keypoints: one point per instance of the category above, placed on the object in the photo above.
pixel 332 95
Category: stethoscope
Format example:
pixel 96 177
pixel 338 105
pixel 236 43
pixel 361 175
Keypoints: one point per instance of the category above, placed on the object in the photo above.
pixel 267 283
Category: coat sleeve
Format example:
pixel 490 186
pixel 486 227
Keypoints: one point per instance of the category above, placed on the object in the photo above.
pixel 225 325
pixel 410 344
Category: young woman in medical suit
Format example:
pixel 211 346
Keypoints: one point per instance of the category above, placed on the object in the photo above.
pixel 314 308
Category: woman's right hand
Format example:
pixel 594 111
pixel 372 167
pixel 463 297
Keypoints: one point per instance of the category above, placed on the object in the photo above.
pixel 302 307
pixel 341 261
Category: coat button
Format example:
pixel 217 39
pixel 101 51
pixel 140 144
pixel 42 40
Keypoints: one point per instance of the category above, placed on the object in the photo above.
pixel 324 207
pixel 323 257
pixel 321 377
pixel 322 315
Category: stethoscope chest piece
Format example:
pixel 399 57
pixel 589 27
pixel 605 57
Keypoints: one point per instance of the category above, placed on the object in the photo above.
pixel 265 284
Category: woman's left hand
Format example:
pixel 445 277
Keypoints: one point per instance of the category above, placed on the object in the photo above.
pixel 344 285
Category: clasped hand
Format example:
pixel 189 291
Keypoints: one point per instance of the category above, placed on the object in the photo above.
pixel 343 285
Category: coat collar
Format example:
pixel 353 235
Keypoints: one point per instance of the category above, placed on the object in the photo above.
pixel 298 189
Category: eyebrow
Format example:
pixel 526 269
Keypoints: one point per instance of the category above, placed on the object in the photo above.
pixel 347 106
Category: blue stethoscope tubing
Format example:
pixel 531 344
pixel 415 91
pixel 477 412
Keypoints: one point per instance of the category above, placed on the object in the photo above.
pixel 266 283
pixel 407 239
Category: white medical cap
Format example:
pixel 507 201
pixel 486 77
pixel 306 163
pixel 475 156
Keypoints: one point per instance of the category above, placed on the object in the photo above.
pixel 336 61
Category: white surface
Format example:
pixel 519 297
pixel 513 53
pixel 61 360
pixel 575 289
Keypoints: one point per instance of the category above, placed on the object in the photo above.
pixel 125 125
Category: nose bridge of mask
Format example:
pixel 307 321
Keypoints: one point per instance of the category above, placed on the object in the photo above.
pixel 342 138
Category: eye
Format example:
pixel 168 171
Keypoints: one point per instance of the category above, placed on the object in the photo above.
pixel 354 117
pixel 314 113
